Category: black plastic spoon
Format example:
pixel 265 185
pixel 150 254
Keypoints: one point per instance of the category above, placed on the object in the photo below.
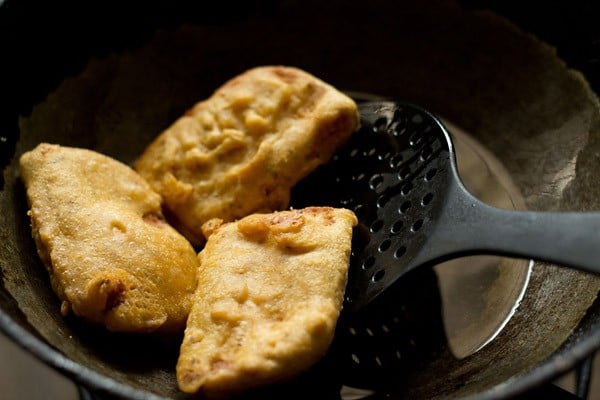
pixel 398 173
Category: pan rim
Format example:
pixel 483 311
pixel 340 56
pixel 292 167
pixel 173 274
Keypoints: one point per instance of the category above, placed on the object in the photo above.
pixel 77 373
pixel 552 367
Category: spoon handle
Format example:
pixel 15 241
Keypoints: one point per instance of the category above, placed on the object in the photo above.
pixel 565 238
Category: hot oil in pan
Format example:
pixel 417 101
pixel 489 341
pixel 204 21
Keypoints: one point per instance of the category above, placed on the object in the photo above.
pixel 481 293
pixel 454 309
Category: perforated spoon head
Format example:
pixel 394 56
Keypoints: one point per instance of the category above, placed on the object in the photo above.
pixel 393 173
pixel 397 188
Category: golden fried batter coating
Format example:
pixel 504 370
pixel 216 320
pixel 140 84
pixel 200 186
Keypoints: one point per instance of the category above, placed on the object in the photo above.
pixel 99 229
pixel 269 294
pixel 241 151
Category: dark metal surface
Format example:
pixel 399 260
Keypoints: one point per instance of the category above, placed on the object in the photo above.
pixel 477 83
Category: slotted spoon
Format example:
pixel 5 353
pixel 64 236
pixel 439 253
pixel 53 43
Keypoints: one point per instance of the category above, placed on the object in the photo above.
pixel 398 174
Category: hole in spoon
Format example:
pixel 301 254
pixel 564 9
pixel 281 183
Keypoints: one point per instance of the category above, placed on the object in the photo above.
pixel 426 153
pixel 383 246
pixel 376 226
pixel 415 139
pixel 404 207
pixel 383 200
pixel 380 124
pixel 371 152
pixel 359 177
pixel 375 181
pixel 400 252
pixel 399 130
pixel 427 199
pixel 406 188
pixel 378 275
pixel 417 225
pixel 360 211
pixel 404 173
pixel 384 156
pixel 396 160
pixel 430 174
pixel 368 263
pixel 397 226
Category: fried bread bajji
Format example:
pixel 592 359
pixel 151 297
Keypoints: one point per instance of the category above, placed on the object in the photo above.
pixel 240 151
pixel 99 230
pixel 269 295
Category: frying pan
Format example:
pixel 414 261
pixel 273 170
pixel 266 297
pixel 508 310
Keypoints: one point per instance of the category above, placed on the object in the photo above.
pixel 110 78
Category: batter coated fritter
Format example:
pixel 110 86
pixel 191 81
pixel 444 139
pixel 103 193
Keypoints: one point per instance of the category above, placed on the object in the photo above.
pixel 240 151
pixel 269 294
pixel 112 258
